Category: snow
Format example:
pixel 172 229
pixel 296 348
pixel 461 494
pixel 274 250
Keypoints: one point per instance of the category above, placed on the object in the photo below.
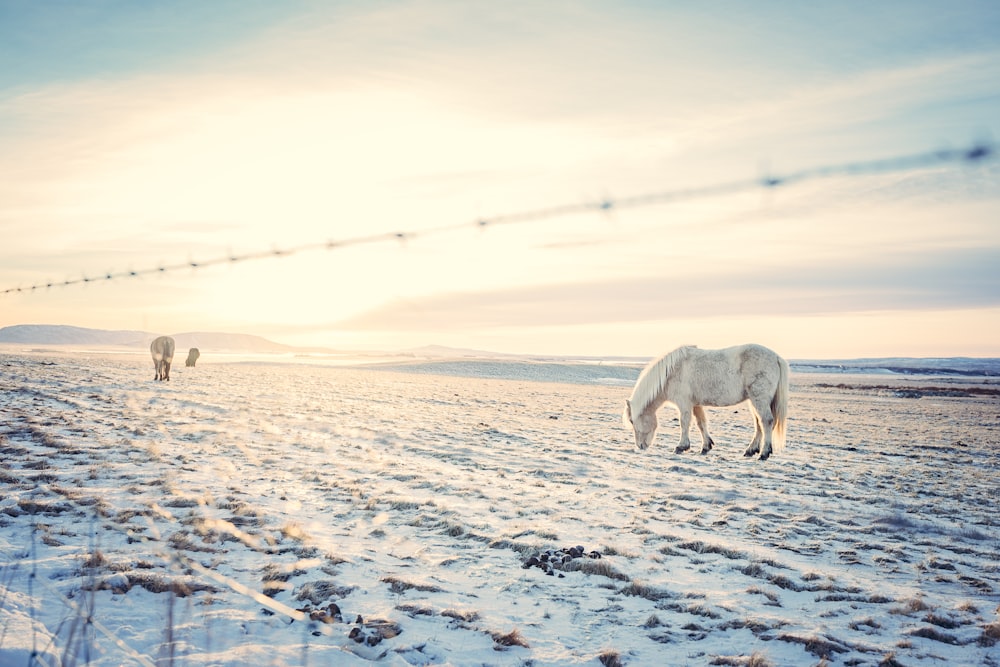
pixel 201 521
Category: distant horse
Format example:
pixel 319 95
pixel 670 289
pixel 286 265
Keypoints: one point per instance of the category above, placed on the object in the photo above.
pixel 193 355
pixel 690 378
pixel 162 350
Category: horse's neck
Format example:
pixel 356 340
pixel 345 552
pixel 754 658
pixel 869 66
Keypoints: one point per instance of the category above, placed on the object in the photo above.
pixel 659 399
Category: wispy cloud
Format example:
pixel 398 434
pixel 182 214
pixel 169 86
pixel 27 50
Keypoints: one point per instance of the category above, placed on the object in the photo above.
pixel 950 279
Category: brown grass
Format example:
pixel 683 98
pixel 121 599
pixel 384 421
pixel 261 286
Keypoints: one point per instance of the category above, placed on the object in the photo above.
pixel 991 634
pixel 504 641
pixel 397 585
pixel 610 659
pixel 756 659
pixel 640 590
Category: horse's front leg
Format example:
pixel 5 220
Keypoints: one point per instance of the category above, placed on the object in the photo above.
pixel 685 443
pixel 706 440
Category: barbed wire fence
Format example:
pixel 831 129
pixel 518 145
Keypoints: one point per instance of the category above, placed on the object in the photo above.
pixel 976 153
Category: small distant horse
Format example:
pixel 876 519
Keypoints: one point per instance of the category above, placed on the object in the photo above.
pixel 193 355
pixel 690 378
pixel 162 350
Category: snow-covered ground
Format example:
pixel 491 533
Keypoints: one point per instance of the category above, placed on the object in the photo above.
pixel 204 520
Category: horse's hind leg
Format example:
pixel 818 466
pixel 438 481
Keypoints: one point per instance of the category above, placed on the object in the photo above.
pixel 706 440
pixel 758 436
pixel 765 427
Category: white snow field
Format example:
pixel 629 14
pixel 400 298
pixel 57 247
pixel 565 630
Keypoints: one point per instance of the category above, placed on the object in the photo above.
pixel 214 519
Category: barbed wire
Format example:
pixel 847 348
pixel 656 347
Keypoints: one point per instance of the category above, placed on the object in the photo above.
pixel 976 153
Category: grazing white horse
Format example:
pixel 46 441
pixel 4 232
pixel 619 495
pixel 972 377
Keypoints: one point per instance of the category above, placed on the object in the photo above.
pixel 162 350
pixel 690 378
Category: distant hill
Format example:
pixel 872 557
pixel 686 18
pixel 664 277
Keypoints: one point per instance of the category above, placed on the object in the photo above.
pixel 52 334
pixel 903 365
pixel 48 334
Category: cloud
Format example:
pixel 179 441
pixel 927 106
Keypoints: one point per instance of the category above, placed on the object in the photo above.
pixel 953 279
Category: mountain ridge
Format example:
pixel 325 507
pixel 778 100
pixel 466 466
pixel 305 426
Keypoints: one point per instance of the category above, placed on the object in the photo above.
pixel 60 334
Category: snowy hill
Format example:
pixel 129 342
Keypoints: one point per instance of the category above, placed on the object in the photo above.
pixel 47 334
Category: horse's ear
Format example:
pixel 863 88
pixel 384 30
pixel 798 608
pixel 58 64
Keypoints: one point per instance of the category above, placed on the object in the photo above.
pixel 628 410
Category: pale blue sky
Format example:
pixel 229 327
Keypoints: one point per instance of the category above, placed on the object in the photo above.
pixel 134 135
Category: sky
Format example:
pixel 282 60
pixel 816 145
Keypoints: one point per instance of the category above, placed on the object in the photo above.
pixel 360 148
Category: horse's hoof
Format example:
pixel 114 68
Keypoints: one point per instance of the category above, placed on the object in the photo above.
pixel 681 450
pixel 706 451
pixel 765 456
pixel 749 454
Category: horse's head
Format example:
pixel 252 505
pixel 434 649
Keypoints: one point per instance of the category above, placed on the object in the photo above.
pixel 643 424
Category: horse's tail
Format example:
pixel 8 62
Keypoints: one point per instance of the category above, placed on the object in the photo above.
pixel 779 407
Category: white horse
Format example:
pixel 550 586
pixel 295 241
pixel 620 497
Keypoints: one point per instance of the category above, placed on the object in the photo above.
pixel 691 378
pixel 162 351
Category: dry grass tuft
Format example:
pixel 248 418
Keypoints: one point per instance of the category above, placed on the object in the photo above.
pixel 467 616
pixel 640 590
pixel 319 591
pixel 505 641
pixel 821 647
pixel 398 586
pixel 610 659
pixel 936 635
pixel 911 606
pixel 95 560
pixel 890 661
pixel 591 566
pixel 991 634
pixel 756 659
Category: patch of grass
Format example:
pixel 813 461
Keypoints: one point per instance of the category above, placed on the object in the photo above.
pixel 414 610
pixel 183 540
pixel 942 621
pixel 398 586
pixel 319 591
pixel 640 590
pixel 821 647
pixel 467 616
pixel 936 635
pixel 610 658
pixel 520 547
pixel 696 610
pixel 159 583
pixel 594 566
pixel 991 634
pixel 293 531
pixel 911 606
pixel 773 598
pixel 652 622
pixel 704 548
pixel 615 551
pixel 95 560
pixel 862 623
pixel 503 641
pixel 756 659
pixel 49 508
pixel 784 582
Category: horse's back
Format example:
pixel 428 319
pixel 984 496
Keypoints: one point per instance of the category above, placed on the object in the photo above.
pixel 726 376
pixel 162 348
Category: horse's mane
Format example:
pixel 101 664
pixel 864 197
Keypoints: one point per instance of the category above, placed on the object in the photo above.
pixel 654 377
